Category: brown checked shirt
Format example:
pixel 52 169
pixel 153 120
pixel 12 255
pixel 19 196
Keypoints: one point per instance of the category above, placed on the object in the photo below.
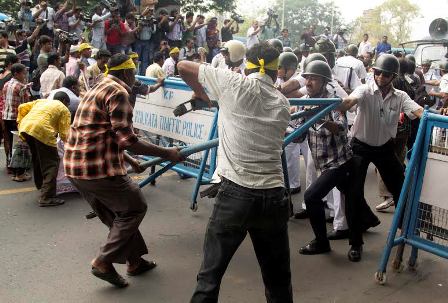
pixel 101 130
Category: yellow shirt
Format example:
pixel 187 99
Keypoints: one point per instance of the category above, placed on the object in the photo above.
pixel 43 120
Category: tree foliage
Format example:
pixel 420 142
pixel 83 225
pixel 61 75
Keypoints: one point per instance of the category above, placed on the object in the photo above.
pixel 392 18
pixel 300 14
pixel 202 6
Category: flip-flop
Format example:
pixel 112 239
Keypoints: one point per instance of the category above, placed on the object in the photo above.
pixel 112 277
pixel 143 267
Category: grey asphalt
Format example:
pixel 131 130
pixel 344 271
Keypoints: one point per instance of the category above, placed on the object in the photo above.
pixel 45 255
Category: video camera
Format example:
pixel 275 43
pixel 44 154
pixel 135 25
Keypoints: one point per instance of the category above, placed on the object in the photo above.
pixel 9 25
pixel 238 18
pixel 146 20
pixel 272 14
pixel 66 37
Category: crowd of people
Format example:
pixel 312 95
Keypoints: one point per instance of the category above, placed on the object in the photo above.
pixel 74 101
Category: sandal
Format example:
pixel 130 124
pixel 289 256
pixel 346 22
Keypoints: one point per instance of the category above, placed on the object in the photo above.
pixel 112 277
pixel 143 267
pixel 51 202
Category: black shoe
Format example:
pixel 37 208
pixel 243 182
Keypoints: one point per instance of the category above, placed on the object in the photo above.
pixel 295 191
pixel 366 226
pixel 330 219
pixel 354 253
pixel 91 215
pixel 315 248
pixel 301 214
pixel 338 234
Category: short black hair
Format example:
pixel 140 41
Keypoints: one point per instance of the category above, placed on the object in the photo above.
pixel 62 96
pixel 3 34
pixel 103 53
pixel 17 68
pixel 52 58
pixel 69 81
pixel 44 39
pixel 157 57
pixel 262 50
pixel 189 14
pixel 11 59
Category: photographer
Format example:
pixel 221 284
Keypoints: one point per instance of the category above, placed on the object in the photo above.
pixel 176 27
pixel 144 45
pixel 164 49
pixel 339 40
pixel 128 38
pixel 114 29
pixel 25 15
pixel 76 23
pixel 43 14
pixel 200 31
pixel 267 31
pixel 98 25
pixel 227 31
pixel 189 27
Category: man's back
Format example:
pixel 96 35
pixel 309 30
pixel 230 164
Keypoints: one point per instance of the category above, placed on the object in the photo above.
pixel 252 122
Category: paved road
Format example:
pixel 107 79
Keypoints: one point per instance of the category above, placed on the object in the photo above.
pixel 45 255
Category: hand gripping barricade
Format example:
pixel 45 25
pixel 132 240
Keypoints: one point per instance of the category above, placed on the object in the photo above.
pixel 422 210
pixel 204 166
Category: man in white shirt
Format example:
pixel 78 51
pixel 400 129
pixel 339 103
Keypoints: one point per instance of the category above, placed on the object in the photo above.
pixel 169 66
pixel 52 77
pixel 155 70
pixel 43 12
pixel 98 36
pixel 76 24
pixel 253 117
pixel 252 34
pixel 379 106
pixel 365 47
pixel 200 31
pixel 442 92
pixel 350 71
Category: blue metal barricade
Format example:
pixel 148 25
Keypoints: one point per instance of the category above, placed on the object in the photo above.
pixel 422 210
pixel 204 172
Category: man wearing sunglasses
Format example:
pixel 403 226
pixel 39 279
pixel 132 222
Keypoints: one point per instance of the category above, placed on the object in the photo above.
pixel 379 105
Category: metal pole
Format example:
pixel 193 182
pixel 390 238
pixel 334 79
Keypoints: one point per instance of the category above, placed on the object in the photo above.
pixel 283 15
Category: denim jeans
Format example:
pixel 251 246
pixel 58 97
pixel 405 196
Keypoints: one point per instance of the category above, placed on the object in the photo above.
pixel 144 50
pixel 263 213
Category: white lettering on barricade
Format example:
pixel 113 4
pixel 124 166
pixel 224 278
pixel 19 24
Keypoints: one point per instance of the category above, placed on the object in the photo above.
pixel 154 113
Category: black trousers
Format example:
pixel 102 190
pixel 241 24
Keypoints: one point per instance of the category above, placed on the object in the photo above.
pixel 263 213
pixel 45 166
pixel 385 160
pixel 341 177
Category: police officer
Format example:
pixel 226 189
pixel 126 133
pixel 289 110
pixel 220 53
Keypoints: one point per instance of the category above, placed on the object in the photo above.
pixel 277 44
pixel 379 105
pixel 332 157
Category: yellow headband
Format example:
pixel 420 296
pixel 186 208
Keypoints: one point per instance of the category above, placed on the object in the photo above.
pixel 273 65
pixel 128 64
pixel 133 56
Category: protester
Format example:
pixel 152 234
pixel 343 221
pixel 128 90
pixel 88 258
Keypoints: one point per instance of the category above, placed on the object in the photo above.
pixel 94 73
pixel 187 52
pixel 39 122
pixel 46 47
pixel 101 176
pixel 70 86
pixel 14 93
pixel 52 77
pixel 253 174
pixel 72 66
pixel 169 66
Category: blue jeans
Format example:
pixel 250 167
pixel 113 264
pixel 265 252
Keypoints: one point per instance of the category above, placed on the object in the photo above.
pixel 264 214
pixel 144 50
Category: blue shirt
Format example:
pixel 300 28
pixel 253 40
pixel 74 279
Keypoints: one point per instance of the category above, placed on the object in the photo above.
pixel 383 48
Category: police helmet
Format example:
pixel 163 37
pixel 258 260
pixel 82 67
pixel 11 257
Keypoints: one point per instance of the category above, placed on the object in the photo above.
pixel 277 44
pixel 318 68
pixel 314 57
pixel 288 61
pixel 387 63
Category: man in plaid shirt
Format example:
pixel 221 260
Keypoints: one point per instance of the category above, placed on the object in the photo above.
pixel 14 93
pixel 94 163
pixel 332 157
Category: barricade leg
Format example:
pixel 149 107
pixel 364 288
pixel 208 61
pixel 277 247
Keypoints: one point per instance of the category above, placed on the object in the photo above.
pixel 412 263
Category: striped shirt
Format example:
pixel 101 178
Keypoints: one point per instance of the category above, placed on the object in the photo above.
pixel 3 53
pixel 14 93
pixel 50 79
pixel 100 132
pixel 327 149
pixel 252 122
